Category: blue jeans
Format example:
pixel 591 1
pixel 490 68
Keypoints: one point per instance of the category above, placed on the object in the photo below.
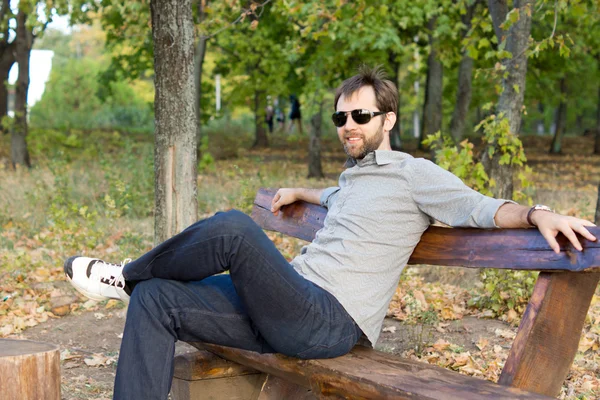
pixel 262 305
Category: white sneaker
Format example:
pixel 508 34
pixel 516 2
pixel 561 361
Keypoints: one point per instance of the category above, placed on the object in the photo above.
pixel 97 279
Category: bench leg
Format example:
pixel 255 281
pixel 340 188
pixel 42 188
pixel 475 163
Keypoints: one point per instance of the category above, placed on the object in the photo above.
pixel 275 388
pixel 203 376
pixel 549 334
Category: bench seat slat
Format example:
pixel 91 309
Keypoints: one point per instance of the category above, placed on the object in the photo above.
pixel 519 249
pixel 369 374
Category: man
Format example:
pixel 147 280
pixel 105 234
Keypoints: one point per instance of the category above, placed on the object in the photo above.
pixel 335 291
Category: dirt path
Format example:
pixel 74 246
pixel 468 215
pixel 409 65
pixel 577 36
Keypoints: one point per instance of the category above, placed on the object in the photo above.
pixel 94 338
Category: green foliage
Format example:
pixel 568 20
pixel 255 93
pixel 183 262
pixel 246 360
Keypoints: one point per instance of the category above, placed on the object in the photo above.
pixel 71 101
pixel 460 162
pixel 498 138
pixel 504 290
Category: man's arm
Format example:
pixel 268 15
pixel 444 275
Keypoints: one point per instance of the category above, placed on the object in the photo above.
pixel 287 196
pixel 549 224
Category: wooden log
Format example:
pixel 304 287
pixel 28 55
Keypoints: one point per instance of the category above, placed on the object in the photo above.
pixel 548 337
pixel 29 370
pixel 368 374
pixel 518 249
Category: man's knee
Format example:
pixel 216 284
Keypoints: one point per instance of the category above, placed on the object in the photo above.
pixel 236 221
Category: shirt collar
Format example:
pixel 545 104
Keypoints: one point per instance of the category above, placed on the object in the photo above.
pixel 379 157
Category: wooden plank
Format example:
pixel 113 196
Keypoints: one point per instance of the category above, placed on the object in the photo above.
pixel 520 249
pixel 549 334
pixel 368 374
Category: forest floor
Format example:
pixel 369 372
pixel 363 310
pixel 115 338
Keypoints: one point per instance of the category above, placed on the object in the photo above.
pixel 434 316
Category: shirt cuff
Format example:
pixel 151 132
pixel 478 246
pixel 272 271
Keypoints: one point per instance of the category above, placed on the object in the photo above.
pixel 326 195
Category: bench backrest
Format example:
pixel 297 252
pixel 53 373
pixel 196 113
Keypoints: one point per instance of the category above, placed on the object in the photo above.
pixel 519 249
pixel 549 333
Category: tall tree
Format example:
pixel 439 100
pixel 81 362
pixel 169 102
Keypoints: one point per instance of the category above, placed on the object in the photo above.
pixel 24 43
pixel 510 103
pixel 465 77
pixel 175 165
pixel 561 119
pixel 432 108
pixel 7 55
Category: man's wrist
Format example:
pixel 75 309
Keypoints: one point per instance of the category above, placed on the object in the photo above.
pixel 532 211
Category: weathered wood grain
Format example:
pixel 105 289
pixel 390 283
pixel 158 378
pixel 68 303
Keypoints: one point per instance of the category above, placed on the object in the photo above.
pixel 205 365
pixel 519 249
pixel 275 388
pixel 549 334
pixel 368 374
pixel 29 370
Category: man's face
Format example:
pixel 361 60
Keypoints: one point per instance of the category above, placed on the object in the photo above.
pixel 359 140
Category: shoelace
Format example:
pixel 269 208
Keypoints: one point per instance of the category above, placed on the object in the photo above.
pixel 107 273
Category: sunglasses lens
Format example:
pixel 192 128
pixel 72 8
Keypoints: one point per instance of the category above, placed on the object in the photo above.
pixel 339 119
pixel 361 116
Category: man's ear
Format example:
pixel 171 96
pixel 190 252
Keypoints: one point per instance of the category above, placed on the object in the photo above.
pixel 390 121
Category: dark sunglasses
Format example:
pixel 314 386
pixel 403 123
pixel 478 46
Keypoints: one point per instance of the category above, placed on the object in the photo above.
pixel 361 117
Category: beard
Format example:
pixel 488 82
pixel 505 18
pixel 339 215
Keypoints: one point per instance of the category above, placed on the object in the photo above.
pixel 369 144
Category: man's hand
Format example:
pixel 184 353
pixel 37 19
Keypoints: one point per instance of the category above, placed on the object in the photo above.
pixel 282 198
pixel 515 216
pixel 551 224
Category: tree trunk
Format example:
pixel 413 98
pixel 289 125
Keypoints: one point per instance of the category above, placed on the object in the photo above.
pixel 463 93
pixel 513 85
pixel 315 170
pixel 463 98
pixel 7 59
pixel 597 141
pixel 432 109
pixel 29 370
pixel 18 143
pixel 395 133
pixel 175 162
pixel 561 117
pixel 261 139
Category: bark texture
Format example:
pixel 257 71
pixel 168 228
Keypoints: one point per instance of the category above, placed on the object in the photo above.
pixel 561 119
pixel 29 370
pixel 463 93
pixel 18 143
pixel 261 139
pixel 315 169
pixel 432 109
pixel 175 162
pixel 513 85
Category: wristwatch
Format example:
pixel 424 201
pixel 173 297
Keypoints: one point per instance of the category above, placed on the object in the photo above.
pixel 535 208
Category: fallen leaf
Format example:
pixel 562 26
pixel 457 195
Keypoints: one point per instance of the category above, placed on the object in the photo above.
pixel 391 329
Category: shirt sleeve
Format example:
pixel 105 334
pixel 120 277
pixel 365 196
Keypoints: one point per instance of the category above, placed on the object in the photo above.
pixel 444 197
pixel 328 196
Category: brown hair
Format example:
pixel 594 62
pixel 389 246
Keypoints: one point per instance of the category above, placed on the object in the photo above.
pixel 386 93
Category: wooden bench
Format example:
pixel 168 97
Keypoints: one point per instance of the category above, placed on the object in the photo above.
pixel 539 359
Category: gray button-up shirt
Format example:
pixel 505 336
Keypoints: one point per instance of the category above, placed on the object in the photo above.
pixel 375 219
